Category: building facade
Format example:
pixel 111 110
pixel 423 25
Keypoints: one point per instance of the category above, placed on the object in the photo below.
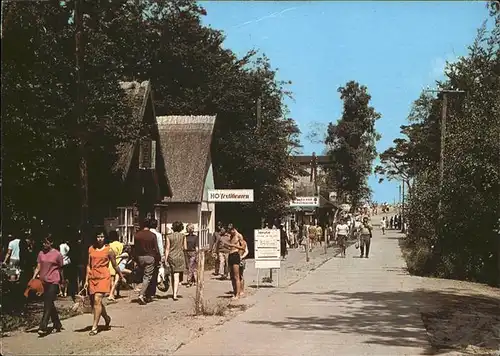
pixel 314 202
pixel 186 142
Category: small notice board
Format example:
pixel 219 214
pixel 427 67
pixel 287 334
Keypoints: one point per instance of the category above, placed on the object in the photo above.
pixel 267 248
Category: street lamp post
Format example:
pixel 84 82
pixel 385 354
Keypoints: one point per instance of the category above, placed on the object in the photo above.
pixel 444 109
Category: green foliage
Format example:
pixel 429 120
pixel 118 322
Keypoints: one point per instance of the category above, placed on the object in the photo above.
pixel 191 73
pixel 461 240
pixel 351 143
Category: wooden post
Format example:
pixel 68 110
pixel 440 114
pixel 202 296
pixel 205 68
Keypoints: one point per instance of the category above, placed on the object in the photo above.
pixel 307 246
pixel 444 108
pixel 200 274
pixel 325 233
pixel 402 227
pixel 498 251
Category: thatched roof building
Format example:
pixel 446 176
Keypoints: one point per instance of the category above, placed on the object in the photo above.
pixel 185 143
pixel 137 97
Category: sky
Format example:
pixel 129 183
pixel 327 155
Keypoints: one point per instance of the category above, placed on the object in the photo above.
pixel 396 49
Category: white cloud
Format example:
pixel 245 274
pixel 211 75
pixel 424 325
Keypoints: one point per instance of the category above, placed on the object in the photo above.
pixel 270 16
pixel 439 64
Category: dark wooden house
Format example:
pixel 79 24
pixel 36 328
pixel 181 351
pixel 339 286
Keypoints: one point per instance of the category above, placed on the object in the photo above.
pixel 144 183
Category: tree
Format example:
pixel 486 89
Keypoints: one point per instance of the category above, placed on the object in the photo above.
pixel 351 143
pixel 460 242
pixel 191 74
pixel 418 149
pixel 41 132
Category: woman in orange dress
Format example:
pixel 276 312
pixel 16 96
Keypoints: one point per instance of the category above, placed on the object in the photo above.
pixel 98 281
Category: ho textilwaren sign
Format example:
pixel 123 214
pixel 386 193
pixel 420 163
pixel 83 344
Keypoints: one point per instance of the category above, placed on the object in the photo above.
pixel 230 195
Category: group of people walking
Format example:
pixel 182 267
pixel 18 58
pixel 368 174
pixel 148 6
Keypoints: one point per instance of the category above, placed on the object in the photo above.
pixel 394 223
pixel 61 269
pixel 230 249
pixel 56 272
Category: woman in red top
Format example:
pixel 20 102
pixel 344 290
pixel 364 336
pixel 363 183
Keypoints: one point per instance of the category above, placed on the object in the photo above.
pixel 98 281
pixel 49 268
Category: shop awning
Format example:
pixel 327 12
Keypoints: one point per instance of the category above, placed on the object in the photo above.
pixel 310 209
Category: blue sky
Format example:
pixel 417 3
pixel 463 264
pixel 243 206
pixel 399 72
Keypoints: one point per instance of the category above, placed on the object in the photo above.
pixel 394 48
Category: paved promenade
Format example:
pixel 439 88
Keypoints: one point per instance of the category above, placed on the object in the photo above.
pixel 348 306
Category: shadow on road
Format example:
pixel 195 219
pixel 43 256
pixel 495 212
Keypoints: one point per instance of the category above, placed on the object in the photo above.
pixel 453 320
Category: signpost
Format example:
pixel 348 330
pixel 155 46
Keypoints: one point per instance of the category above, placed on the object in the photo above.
pixel 267 250
pixel 305 201
pixel 230 195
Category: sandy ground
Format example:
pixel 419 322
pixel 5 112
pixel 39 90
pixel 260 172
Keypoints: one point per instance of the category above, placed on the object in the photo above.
pixel 164 325
pixel 460 317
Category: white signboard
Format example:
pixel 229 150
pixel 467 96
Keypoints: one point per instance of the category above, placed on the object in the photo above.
pixel 305 201
pixel 267 248
pixel 230 195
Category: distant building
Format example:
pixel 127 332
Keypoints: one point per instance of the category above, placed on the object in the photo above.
pixel 310 203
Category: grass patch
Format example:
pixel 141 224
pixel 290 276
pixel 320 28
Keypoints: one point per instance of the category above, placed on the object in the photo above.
pixel 218 309
pixel 417 257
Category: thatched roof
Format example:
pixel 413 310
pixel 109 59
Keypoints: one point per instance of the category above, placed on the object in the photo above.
pixel 136 98
pixel 185 143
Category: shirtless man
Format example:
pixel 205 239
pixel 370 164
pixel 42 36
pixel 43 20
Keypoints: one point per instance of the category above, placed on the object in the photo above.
pixel 234 259
pixel 243 254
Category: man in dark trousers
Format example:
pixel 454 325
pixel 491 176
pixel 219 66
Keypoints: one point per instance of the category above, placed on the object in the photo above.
pixel 147 256
pixel 284 241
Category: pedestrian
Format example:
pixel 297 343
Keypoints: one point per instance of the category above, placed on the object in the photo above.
pixel 234 259
pixel 49 270
pixel 391 223
pixel 98 278
pixel 12 257
pixel 311 231
pixel 221 251
pixel 64 250
pixel 191 254
pixel 365 234
pixel 329 234
pixel 148 258
pixel 117 247
pixel 305 236
pixel 342 230
pixel 356 225
pixel 283 242
pixel 174 254
pixel 243 255
pixel 27 264
pixel 153 226
pixel 319 234
pixel 382 225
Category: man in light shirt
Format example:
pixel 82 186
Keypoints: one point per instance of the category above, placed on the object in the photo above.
pixel 153 228
pixel 13 252
pixel 341 232
pixel 159 238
